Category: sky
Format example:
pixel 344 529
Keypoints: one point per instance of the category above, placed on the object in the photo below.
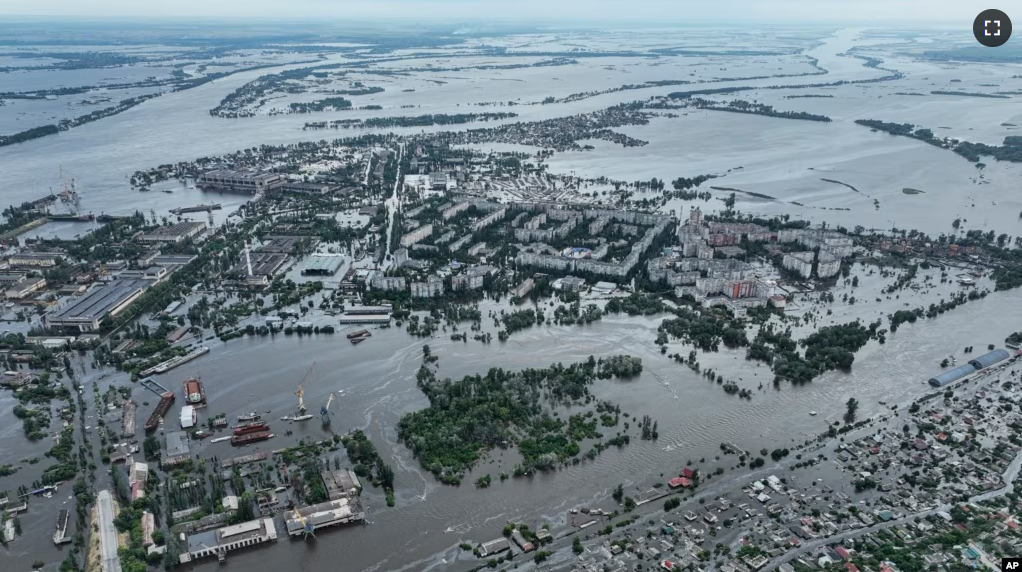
pixel 907 13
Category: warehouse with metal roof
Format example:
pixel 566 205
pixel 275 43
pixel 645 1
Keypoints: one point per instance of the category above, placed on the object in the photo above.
pixel 323 264
pixel 85 313
pixel 952 375
pixel 989 359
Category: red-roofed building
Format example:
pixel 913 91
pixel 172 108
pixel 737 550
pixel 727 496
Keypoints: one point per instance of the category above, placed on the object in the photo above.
pixel 840 551
pixel 677 482
pixel 667 565
pixel 688 473
pixel 941 436
pixel 851 567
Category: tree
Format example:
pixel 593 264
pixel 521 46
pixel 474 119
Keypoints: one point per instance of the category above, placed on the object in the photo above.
pixel 852 406
pixel 618 493
pixel 576 546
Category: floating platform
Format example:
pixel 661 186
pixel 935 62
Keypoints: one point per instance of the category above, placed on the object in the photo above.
pixel 60 535
pixel 161 409
pixel 153 385
pixel 164 367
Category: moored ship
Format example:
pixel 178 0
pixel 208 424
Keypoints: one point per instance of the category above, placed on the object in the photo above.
pixel 161 409
pixel 359 334
pixel 195 392
pixel 251 416
pixel 250 428
pixel 239 440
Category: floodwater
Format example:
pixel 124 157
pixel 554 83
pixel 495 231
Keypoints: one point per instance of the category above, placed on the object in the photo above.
pixel 375 384
pixel 377 377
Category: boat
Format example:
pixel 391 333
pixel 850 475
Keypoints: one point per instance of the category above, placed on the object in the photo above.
pixel 195 393
pixel 296 417
pixel 201 434
pixel 220 439
pixel 164 367
pixel 72 217
pixel 359 334
pixel 161 409
pixel 250 428
pixel 251 416
pixel 241 440
pixel 813 413
pixel 168 191
pixel 355 341
pixel 196 209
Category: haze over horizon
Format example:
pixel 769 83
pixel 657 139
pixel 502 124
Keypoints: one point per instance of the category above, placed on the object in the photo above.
pixel 906 12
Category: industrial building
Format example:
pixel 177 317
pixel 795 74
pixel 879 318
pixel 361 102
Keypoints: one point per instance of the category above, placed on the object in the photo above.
pixel 331 513
pixel 306 188
pixel 172 234
pixel 341 483
pixel 188 417
pixel 263 264
pixel 250 182
pixel 220 541
pixel 989 359
pixel 35 259
pixel 323 264
pixel 984 361
pixel 86 313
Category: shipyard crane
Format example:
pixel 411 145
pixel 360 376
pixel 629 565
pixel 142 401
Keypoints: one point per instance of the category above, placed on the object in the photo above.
pixel 324 413
pixel 309 530
pixel 300 392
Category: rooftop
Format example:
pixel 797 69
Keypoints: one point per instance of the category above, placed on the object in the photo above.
pixel 99 301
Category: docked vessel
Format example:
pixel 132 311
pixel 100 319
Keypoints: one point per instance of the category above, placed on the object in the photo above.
pixel 250 428
pixel 359 334
pixel 246 417
pixel 196 209
pixel 166 400
pixel 73 217
pixel 201 434
pixel 296 417
pixel 356 341
pixel 240 440
pixel 164 367
pixel 195 392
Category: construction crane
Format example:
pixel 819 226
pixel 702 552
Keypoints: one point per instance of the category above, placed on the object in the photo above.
pixel 300 392
pixel 309 530
pixel 325 412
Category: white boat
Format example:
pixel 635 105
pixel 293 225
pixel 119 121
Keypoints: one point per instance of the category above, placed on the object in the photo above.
pixel 220 439
pixel 296 417
pixel 813 413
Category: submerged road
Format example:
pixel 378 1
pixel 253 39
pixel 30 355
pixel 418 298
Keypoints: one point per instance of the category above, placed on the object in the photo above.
pixel 107 533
